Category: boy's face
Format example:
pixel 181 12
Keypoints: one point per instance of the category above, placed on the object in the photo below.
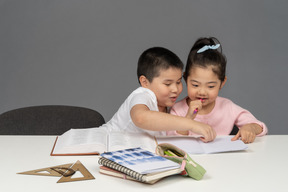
pixel 204 84
pixel 167 87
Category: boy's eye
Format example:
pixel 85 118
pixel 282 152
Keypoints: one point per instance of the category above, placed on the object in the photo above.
pixel 211 87
pixel 194 85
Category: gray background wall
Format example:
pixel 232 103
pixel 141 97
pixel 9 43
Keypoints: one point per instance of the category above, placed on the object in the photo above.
pixel 84 53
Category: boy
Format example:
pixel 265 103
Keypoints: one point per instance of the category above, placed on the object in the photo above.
pixel 146 109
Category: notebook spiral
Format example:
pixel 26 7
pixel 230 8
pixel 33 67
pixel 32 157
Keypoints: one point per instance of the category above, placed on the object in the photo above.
pixel 118 167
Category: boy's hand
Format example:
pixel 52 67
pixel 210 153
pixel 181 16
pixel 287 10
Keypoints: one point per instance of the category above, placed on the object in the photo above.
pixel 193 105
pixel 248 133
pixel 207 132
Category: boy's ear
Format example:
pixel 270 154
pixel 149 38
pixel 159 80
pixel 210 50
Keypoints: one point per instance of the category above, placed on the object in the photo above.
pixel 144 82
pixel 223 82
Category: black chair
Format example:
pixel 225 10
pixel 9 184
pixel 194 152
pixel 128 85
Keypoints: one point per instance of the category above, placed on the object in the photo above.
pixel 48 120
pixel 234 130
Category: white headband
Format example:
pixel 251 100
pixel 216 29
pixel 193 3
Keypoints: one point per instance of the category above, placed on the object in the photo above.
pixel 206 47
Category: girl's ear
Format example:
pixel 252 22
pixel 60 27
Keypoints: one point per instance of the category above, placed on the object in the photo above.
pixel 223 82
pixel 144 82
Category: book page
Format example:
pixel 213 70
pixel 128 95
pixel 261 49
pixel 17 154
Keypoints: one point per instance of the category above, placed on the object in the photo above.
pixel 188 144
pixel 88 140
pixel 121 140
pixel 194 145
pixel 223 144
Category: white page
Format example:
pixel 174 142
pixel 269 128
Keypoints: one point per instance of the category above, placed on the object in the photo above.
pixel 81 141
pixel 187 144
pixel 121 140
pixel 223 144
pixel 194 145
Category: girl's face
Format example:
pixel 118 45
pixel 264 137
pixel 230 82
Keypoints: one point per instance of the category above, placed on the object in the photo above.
pixel 204 84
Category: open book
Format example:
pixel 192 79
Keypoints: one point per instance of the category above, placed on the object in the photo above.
pixel 94 141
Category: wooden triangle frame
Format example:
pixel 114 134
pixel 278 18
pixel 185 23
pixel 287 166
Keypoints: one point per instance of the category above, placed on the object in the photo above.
pixel 78 166
pixel 48 171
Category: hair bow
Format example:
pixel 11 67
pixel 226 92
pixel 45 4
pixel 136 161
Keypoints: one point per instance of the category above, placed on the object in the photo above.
pixel 206 47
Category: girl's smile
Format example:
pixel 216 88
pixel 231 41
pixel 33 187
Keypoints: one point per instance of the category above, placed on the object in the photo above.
pixel 203 84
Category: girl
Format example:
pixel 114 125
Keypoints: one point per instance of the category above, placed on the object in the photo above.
pixel 205 77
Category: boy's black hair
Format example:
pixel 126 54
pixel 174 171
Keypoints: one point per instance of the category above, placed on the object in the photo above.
pixel 207 58
pixel 155 59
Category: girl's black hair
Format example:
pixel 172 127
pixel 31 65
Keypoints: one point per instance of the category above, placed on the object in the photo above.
pixel 210 57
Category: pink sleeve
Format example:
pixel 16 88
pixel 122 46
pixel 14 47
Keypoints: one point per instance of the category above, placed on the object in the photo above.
pixel 179 109
pixel 172 111
pixel 245 117
pixel 171 133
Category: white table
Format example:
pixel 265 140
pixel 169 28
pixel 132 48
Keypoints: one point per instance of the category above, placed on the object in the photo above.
pixel 263 167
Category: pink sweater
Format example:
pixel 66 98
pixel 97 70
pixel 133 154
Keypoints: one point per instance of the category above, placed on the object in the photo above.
pixel 222 118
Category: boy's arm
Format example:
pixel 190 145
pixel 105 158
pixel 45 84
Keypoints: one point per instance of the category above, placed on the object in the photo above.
pixel 144 118
pixel 174 112
pixel 194 107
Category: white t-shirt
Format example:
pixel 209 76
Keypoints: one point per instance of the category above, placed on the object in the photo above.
pixel 121 121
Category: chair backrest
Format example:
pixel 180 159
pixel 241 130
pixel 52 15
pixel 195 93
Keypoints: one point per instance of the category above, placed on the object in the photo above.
pixel 48 120
pixel 234 130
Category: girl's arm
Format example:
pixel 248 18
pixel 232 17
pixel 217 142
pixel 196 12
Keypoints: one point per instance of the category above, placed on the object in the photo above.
pixel 144 118
pixel 194 107
pixel 249 126
pixel 248 132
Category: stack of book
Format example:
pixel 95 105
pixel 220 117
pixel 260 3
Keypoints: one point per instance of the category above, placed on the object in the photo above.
pixel 137 164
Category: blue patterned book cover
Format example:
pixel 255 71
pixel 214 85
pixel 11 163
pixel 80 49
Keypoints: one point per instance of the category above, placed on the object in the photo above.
pixel 141 160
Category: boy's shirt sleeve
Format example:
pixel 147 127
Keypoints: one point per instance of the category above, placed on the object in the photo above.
pixel 145 97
